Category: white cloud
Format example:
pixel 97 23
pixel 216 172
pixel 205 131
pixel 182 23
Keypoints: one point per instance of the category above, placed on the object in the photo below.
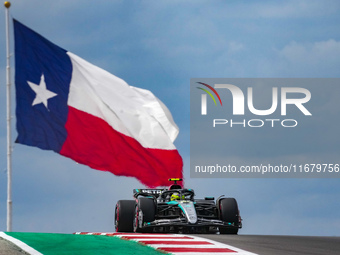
pixel 295 9
pixel 234 47
pixel 318 59
pixel 315 53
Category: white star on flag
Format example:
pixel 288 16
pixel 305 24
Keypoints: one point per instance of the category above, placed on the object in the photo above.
pixel 42 94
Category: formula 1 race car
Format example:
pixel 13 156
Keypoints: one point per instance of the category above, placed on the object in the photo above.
pixel 175 210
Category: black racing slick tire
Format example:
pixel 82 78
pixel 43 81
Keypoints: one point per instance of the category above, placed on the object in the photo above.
pixel 124 213
pixel 229 212
pixel 145 211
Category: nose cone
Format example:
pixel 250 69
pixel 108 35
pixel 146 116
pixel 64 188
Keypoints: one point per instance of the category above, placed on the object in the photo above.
pixel 189 210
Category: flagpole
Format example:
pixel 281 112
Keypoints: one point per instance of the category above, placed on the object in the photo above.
pixel 9 143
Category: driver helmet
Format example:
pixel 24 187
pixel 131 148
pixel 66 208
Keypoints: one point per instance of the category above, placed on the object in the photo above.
pixel 175 196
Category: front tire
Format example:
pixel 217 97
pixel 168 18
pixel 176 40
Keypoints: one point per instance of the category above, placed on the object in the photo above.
pixel 124 213
pixel 145 211
pixel 229 212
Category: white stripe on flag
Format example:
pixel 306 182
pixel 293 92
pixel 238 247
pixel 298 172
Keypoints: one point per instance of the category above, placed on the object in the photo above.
pixel 131 111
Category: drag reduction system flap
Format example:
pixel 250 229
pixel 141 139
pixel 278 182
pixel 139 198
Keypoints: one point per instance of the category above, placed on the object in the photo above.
pixel 154 192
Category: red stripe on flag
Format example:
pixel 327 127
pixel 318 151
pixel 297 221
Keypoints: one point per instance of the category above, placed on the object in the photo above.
pixel 177 242
pixel 210 250
pixel 93 142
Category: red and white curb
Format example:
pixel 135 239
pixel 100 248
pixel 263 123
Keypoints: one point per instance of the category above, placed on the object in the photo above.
pixel 178 243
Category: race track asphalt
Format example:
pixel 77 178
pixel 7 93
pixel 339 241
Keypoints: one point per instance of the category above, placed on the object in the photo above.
pixel 281 245
pixel 7 248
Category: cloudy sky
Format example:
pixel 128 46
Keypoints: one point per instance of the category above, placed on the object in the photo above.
pixel 160 45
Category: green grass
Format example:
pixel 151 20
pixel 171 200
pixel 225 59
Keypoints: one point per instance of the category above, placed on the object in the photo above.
pixel 68 244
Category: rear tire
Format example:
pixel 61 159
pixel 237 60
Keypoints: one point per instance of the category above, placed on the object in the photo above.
pixel 124 213
pixel 229 212
pixel 145 211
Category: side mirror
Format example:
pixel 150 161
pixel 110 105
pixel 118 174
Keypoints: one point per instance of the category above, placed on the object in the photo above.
pixel 209 198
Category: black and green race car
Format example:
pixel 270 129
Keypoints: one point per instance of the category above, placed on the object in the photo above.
pixel 175 210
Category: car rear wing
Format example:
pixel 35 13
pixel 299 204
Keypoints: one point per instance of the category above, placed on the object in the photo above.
pixel 152 192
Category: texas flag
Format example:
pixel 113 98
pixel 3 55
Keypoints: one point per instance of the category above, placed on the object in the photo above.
pixel 81 111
